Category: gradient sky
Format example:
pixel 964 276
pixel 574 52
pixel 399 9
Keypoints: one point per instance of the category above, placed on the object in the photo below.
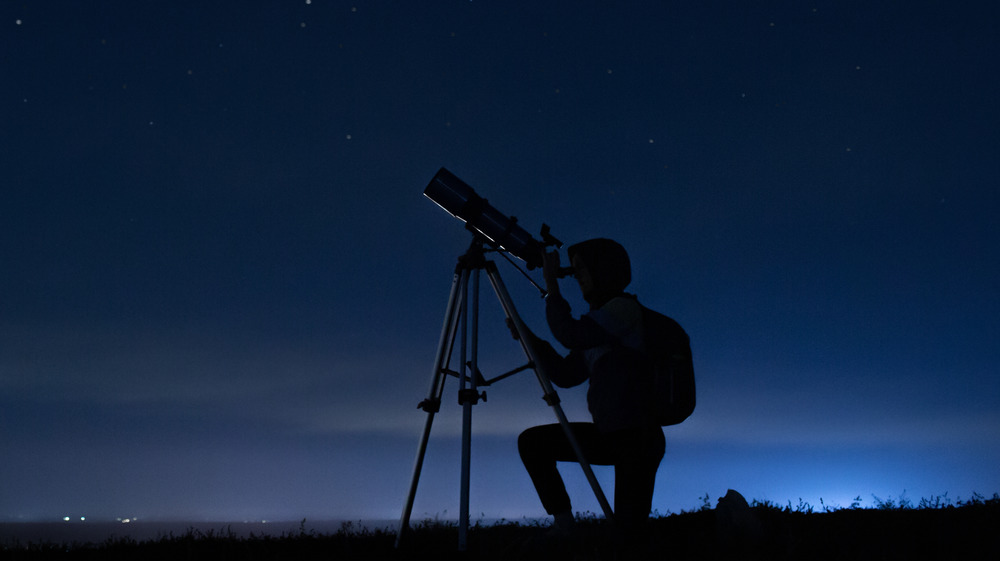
pixel 222 288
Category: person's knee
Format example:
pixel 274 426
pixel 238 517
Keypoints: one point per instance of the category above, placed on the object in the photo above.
pixel 526 442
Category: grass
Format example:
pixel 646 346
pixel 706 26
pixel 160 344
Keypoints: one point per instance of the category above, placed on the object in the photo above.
pixel 936 528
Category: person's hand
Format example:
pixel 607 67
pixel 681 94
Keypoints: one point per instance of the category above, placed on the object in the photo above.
pixel 531 337
pixel 550 271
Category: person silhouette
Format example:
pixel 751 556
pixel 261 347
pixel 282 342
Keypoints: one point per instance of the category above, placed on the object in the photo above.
pixel 605 347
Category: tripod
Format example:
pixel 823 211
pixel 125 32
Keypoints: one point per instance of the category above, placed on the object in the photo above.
pixel 456 319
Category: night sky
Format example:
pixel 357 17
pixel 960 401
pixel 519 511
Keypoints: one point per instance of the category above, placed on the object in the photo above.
pixel 222 288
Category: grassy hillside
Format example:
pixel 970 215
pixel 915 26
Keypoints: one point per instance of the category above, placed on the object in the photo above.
pixel 931 530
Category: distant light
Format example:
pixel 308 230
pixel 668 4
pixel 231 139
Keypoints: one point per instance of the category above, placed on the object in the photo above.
pixel 18 22
pixel 65 518
pixel 82 518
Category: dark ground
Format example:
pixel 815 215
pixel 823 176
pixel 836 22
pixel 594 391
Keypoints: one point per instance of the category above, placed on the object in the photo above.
pixel 762 532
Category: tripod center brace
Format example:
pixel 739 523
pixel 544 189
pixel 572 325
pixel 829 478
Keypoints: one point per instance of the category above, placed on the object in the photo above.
pixel 456 320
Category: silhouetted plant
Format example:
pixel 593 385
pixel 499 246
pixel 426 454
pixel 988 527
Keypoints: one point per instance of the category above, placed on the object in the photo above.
pixel 940 501
pixel 887 504
pixel 706 503
pixel 978 499
pixel 765 505
pixel 803 507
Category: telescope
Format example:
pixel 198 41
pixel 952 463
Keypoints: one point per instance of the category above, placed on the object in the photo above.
pixel 502 232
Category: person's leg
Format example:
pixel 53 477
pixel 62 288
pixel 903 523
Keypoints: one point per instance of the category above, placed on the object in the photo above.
pixel 638 454
pixel 540 448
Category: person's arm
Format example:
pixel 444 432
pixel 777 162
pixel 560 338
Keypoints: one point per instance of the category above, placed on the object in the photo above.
pixel 564 372
pixel 574 334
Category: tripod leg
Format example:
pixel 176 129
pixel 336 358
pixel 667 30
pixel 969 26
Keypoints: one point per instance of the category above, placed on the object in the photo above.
pixel 433 401
pixel 467 396
pixel 550 394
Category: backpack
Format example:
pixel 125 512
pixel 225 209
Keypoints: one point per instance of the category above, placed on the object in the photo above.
pixel 669 349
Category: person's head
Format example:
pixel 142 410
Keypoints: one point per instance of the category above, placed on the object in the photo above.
pixel 602 268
